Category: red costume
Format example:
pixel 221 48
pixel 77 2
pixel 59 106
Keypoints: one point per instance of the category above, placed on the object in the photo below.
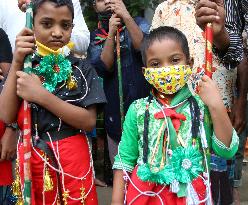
pixel 5 166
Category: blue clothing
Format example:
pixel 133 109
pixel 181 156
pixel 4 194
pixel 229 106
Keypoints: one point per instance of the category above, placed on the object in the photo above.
pixel 133 81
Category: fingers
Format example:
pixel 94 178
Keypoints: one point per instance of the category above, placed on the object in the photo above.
pixel 21 74
pixel 26 32
pixel 3 155
pixel 25 44
pixel 206 12
pixel 22 5
pixel 207 5
pixel 7 155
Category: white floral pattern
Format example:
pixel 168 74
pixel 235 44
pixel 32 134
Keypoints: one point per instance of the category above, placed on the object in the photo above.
pixel 181 15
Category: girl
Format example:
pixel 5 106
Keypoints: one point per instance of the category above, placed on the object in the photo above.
pixel 167 137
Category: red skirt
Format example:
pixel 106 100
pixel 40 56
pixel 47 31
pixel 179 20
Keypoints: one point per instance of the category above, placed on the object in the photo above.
pixel 74 158
pixel 166 195
pixel 5 166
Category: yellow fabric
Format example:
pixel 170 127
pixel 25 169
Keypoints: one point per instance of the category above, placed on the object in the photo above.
pixel 43 50
pixel 168 80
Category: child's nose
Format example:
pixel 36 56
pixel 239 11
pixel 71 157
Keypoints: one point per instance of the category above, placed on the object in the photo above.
pixel 57 32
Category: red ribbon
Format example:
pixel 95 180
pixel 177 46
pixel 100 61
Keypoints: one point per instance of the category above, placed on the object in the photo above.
pixel 175 117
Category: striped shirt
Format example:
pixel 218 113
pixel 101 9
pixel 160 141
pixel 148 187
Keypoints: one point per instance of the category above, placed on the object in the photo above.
pixel 236 23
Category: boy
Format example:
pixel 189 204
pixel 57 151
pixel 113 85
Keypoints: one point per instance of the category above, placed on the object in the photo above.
pixel 167 137
pixel 64 93
pixel 113 16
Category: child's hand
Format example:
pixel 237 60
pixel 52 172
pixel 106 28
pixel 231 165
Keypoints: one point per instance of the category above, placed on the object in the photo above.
pixel 119 8
pixel 29 86
pixel 208 91
pixel 8 144
pixel 24 45
pixel 114 22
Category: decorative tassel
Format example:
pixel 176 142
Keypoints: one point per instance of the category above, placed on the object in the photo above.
pixel 48 182
pixel 16 186
pixel 65 196
pixel 71 83
pixel 83 197
pixel 192 197
pixel 203 137
pixel 19 201
pixel 175 186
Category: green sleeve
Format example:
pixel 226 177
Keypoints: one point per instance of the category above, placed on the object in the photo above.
pixel 217 146
pixel 222 150
pixel 128 151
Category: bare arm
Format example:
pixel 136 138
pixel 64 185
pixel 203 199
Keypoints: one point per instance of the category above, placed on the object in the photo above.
pixel 213 12
pixel 118 188
pixel 107 55
pixel 238 114
pixel 5 68
pixel 209 94
pixel 222 124
pixel 8 98
pixel 134 31
pixel 119 8
pixel 81 118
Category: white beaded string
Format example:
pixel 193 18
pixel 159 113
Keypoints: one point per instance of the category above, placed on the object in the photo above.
pixel 75 199
pixel 86 84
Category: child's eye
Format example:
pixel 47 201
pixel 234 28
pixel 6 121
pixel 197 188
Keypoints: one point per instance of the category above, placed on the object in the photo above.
pixel 46 24
pixel 67 26
pixel 155 64
pixel 175 60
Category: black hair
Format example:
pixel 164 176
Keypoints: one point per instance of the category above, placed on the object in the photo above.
pixel 59 3
pixel 164 32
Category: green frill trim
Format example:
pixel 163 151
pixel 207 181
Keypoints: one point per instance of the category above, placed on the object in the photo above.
pixel 165 176
pixel 53 69
pixel 184 166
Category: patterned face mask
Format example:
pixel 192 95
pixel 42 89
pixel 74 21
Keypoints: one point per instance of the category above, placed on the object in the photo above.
pixel 168 80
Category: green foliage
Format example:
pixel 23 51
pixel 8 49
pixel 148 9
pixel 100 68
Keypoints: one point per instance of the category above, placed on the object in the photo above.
pixel 135 8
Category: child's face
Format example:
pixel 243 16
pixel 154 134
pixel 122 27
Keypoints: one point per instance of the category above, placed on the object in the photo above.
pixel 164 53
pixel 102 5
pixel 53 25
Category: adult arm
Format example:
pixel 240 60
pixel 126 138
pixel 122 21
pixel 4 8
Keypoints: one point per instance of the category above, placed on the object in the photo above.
pixel 119 8
pixel 227 29
pixel 238 114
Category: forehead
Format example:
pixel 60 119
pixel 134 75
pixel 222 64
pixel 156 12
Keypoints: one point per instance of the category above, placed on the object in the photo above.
pixel 50 10
pixel 164 48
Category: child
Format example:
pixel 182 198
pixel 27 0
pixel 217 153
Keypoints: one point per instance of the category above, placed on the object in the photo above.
pixel 64 92
pixel 167 137
pixel 183 15
pixel 113 17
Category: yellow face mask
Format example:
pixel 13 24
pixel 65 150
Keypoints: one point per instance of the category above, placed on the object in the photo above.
pixel 43 50
pixel 168 80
